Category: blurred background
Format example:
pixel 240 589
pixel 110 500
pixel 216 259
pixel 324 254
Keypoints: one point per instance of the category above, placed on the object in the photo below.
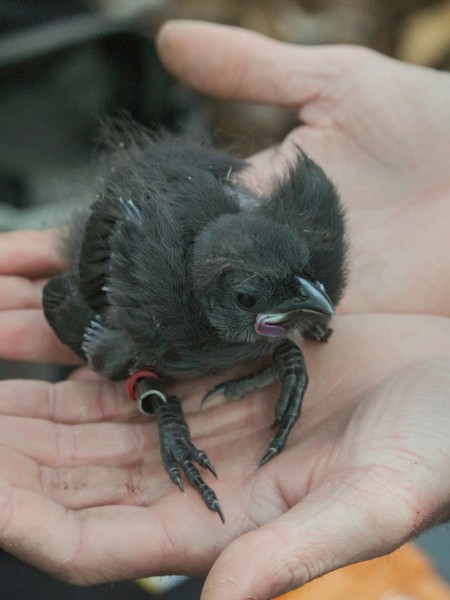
pixel 67 64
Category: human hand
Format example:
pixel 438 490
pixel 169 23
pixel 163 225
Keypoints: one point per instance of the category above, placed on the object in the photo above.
pixel 27 258
pixel 379 128
pixel 85 496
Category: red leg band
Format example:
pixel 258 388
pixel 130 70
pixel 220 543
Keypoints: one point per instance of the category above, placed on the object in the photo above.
pixel 131 382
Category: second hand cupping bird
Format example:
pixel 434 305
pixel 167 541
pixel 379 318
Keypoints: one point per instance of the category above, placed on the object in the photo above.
pixel 178 271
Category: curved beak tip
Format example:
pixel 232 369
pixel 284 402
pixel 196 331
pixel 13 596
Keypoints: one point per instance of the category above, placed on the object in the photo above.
pixel 315 297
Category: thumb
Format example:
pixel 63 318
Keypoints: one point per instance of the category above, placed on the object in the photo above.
pixel 29 253
pixel 243 65
pixel 330 528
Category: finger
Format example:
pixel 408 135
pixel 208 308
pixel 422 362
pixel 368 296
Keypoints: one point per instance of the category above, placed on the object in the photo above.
pixel 55 444
pixel 234 63
pixel 20 292
pixel 144 484
pixel 102 544
pixel 27 336
pixel 123 443
pixel 65 402
pixel 87 486
pixel 335 525
pixel 79 480
pixel 30 253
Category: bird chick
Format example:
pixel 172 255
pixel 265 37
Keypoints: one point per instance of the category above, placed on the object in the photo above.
pixel 178 271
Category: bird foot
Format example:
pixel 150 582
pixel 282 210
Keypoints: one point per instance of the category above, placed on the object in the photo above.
pixel 290 367
pixel 178 452
pixel 235 389
pixel 319 332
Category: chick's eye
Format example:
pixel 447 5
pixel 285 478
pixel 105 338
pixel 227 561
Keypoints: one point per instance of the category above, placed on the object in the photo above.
pixel 246 300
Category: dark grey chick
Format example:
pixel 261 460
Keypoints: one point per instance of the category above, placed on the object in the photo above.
pixel 179 270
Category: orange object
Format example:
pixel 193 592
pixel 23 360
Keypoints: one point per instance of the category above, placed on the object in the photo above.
pixel 406 574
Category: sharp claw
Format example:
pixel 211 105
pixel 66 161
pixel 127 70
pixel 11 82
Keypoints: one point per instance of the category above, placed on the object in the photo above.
pixel 218 389
pixel 216 508
pixel 175 477
pixel 177 450
pixel 210 468
pixel 270 453
pixel 203 460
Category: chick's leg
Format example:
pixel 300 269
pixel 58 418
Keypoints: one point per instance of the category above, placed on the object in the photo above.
pixel 177 450
pixel 235 389
pixel 318 332
pixel 290 367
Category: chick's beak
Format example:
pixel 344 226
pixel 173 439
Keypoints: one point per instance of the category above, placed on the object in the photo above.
pixel 312 300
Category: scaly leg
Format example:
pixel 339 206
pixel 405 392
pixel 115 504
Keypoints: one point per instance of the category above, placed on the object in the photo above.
pixel 288 366
pixel 235 389
pixel 177 450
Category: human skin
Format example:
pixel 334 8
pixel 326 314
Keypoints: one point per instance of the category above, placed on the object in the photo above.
pixel 380 128
pixel 82 489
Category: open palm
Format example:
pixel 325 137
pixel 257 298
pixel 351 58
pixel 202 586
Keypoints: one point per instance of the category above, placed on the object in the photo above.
pixel 84 491
pixel 379 128
pixel 361 465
